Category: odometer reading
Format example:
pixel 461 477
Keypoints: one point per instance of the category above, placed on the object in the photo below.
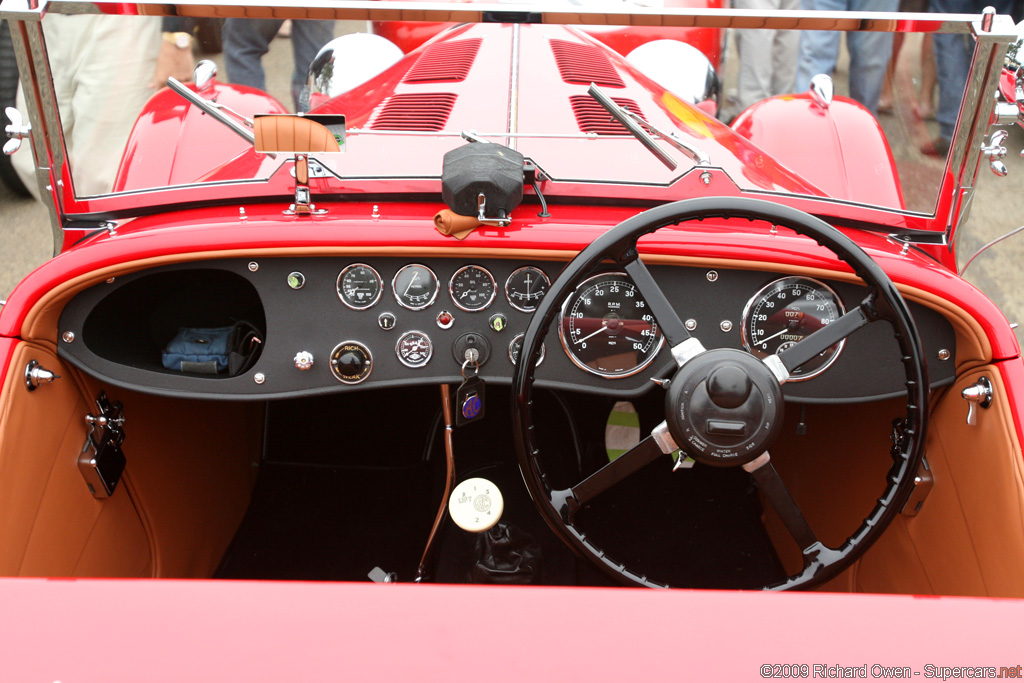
pixel 359 286
pixel 607 328
pixel 784 313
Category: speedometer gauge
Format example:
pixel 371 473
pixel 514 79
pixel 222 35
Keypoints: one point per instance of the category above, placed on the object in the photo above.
pixel 415 286
pixel 786 311
pixel 607 328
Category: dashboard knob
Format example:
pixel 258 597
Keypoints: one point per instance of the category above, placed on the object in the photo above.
pixel 351 362
pixel 303 360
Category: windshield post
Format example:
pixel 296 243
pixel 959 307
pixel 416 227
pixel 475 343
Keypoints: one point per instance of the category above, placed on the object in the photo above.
pixel 971 133
pixel 47 138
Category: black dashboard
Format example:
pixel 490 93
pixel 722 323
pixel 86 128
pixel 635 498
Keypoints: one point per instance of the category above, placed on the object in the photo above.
pixel 328 324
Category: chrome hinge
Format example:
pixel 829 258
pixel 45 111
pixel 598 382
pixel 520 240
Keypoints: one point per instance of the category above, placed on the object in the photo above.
pixel 923 482
pixel 977 395
pixel 101 460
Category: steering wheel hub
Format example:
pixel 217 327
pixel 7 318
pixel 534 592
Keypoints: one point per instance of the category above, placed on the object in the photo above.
pixel 724 408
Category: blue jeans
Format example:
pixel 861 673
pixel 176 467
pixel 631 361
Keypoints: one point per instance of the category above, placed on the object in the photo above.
pixel 869 51
pixel 953 53
pixel 247 40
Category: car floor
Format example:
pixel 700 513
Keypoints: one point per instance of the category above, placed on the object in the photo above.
pixel 345 493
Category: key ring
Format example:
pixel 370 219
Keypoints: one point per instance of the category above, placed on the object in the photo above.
pixel 473 363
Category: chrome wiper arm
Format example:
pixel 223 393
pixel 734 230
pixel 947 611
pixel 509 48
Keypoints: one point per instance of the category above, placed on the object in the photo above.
pixel 211 109
pixel 630 123
pixel 697 155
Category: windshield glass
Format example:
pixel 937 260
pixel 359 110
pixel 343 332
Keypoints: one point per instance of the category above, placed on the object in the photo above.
pixel 525 86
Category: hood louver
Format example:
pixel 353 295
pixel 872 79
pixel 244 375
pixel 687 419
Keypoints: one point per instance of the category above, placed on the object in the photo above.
pixel 445 62
pixel 427 111
pixel 593 118
pixel 585 64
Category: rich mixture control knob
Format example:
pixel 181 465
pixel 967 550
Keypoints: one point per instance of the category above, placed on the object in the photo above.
pixel 303 360
pixel 351 362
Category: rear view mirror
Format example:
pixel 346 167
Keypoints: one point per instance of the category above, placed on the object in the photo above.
pixel 299 134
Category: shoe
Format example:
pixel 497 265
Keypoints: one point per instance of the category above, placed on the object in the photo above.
pixel 939 147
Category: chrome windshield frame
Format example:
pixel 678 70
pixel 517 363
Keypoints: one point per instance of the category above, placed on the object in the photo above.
pixel 962 165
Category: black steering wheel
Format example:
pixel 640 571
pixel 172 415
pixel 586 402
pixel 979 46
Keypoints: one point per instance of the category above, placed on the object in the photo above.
pixel 724 381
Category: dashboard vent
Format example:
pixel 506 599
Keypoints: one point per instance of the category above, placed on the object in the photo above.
pixel 445 62
pixel 585 64
pixel 593 118
pixel 427 111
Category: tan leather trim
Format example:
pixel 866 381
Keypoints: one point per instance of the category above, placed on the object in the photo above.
pixel 191 468
pixel 50 522
pixel 287 133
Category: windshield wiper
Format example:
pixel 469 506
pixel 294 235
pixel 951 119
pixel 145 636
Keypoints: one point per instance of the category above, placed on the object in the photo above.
pixel 636 125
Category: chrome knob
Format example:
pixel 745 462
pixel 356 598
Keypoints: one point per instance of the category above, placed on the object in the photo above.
pixel 977 395
pixel 303 360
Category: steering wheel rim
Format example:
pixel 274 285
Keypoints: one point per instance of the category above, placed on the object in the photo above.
pixel 884 302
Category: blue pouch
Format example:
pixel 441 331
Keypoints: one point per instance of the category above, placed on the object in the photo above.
pixel 199 349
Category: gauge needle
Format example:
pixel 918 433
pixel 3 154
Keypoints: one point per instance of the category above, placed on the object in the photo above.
pixel 415 276
pixel 604 328
pixel 766 339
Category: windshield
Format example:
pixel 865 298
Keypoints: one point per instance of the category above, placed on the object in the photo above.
pixel 881 135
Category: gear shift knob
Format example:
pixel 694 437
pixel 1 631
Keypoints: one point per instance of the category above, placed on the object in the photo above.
pixel 476 505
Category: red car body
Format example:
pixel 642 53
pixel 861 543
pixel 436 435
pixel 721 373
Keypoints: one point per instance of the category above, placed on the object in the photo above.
pixel 201 227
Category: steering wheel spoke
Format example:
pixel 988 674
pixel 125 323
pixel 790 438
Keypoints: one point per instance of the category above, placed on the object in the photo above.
pixel 825 338
pixel 770 484
pixel 669 322
pixel 644 453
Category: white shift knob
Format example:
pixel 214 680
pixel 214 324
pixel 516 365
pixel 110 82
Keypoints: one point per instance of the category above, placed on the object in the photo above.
pixel 476 505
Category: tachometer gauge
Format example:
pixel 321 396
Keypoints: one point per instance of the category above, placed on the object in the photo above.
pixel 525 288
pixel 786 311
pixel 415 286
pixel 414 349
pixel 607 328
pixel 472 288
pixel 359 286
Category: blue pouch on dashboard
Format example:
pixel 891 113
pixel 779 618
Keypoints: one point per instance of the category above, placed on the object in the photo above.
pixel 199 349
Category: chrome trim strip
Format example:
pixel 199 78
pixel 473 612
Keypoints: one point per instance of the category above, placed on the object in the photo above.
pixel 513 91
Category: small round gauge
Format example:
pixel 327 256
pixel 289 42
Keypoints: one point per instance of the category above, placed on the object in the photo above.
pixel 359 286
pixel 472 288
pixel 415 286
pixel 351 362
pixel 786 311
pixel 525 288
pixel 607 328
pixel 414 349
pixel 516 345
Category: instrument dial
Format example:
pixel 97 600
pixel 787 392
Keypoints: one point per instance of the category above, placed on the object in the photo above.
pixel 415 286
pixel 525 288
pixel 786 311
pixel 516 345
pixel 359 286
pixel 472 288
pixel 607 328
pixel 414 349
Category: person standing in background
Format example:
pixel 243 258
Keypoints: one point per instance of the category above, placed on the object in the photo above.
pixel 869 51
pixel 767 57
pixel 247 40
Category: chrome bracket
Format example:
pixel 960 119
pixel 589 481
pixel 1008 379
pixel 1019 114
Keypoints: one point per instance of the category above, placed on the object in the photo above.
pixel 36 374
pixel 664 439
pixel 995 152
pixel 777 367
pixel 481 206
pixel 923 483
